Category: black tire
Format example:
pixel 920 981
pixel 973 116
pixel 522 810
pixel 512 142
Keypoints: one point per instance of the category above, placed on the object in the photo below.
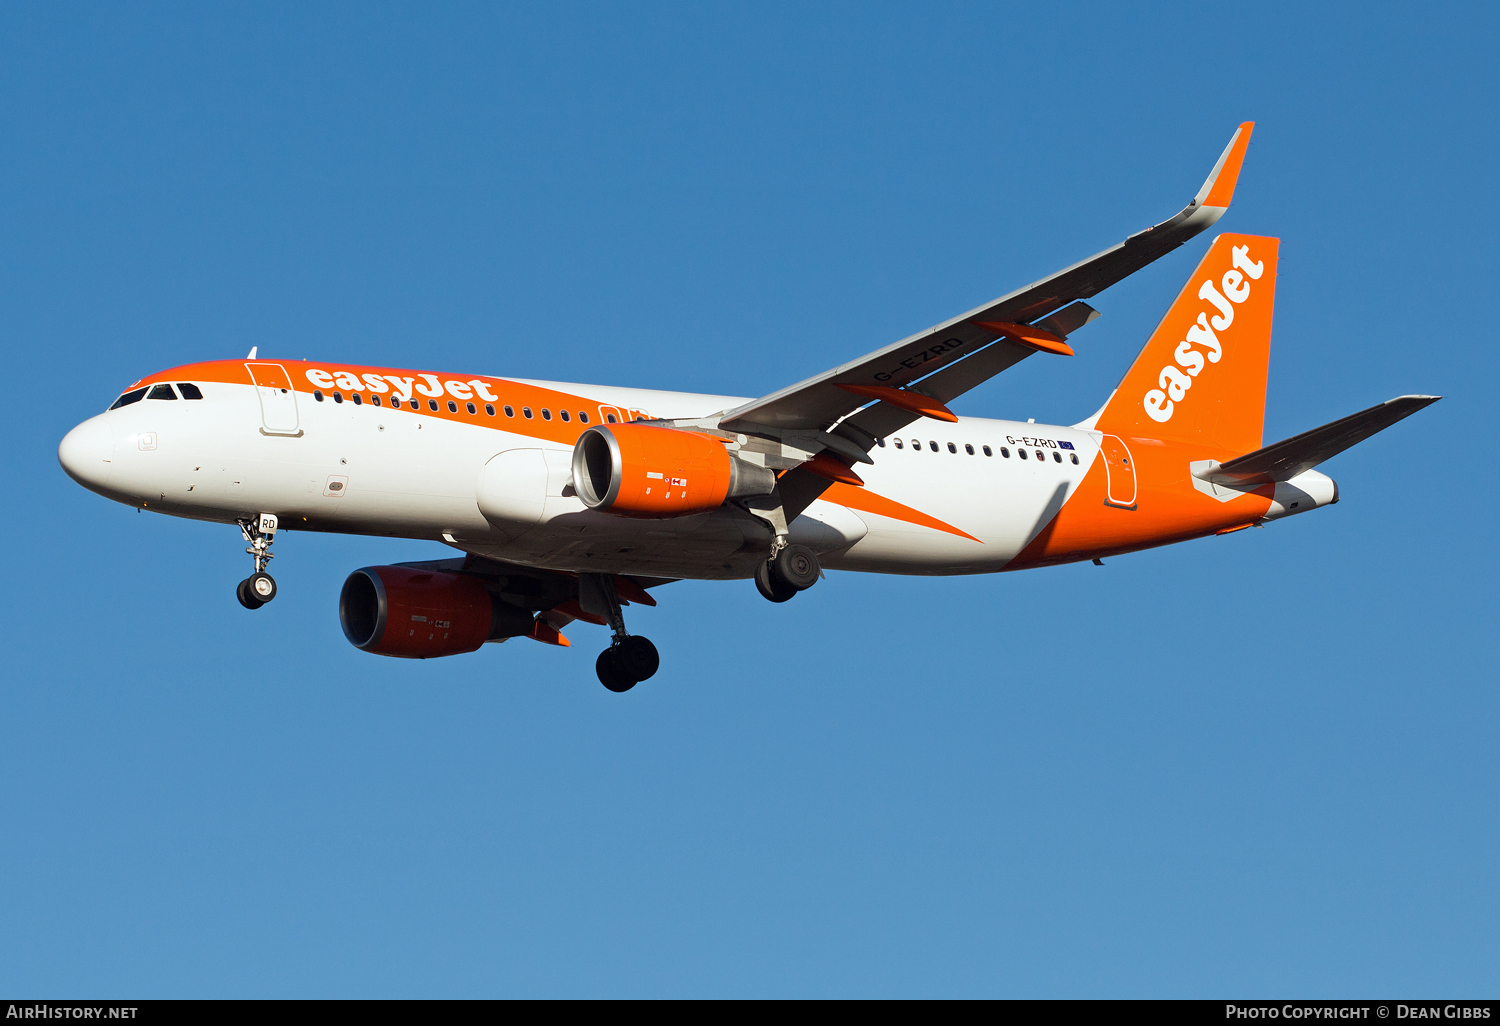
pixel 796 565
pixel 637 657
pixel 242 592
pixel 261 586
pixel 611 674
pixel 771 585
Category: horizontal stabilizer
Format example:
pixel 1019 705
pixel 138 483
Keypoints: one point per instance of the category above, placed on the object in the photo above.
pixel 1285 460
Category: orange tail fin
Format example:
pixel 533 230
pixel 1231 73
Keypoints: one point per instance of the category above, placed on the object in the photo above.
pixel 1202 376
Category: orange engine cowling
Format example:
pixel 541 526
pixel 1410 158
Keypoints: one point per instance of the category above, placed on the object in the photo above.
pixel 637 470
pixel 413 613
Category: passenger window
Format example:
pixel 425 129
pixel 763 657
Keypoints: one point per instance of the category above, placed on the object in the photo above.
pixel 546 414
pixel 1041 455
pixel 471 408
pixel 189 390
pixel 1021 453
pixel 318 394
pixel 489 409
pixel 416 405
pixel 934 446
pixel 452 406
pixel 432 405
pixel 989 452
pixel 583 417
pixel 916 443
pixel 357 400
pixel 526 412
pixel 510 411
pixel 1057 457
pixel 338 397
pixel 880 442
pixel 952 448
pixel 968 448
pixel 128 398
pixel 375 399
pixel 898 443
pixel 1005 452
pixel 162 391
pixel 565 415
pixel 1074 457
pixel 611 418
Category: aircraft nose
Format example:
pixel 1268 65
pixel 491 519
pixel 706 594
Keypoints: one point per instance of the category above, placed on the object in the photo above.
pixel 87 453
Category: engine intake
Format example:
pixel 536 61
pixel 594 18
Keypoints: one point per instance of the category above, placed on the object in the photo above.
pixel 637 470
pixel 412 613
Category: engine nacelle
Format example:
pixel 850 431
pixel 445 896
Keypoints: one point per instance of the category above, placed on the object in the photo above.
pixel 412 613
pixel 636 470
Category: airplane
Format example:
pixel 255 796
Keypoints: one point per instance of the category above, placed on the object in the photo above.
pixel 570 501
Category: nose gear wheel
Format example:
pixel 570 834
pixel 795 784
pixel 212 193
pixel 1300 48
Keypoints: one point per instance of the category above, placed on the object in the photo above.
pixel 260 587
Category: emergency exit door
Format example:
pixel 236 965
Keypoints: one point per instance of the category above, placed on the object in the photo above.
pixel 278 400
pixel 1119 473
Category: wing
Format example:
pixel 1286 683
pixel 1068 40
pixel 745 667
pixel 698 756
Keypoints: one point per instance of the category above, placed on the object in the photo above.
pixel 949 359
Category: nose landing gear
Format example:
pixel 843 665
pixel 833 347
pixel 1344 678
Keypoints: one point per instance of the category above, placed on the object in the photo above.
pixel 630 658
pixel 260 587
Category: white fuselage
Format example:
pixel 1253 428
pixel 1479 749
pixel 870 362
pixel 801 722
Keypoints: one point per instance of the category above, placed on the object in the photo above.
pixel 394 472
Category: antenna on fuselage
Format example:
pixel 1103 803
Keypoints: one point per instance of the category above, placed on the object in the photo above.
pixel 252 352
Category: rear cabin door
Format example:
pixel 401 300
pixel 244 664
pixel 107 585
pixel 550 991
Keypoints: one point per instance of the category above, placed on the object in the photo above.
pixel 278 401
pixel 1119 471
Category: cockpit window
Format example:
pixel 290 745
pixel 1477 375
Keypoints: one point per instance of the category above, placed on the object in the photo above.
pixel 189 390
pixel 128 398
pixel 162 391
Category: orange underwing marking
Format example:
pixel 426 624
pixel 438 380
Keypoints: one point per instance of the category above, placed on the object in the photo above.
pixel 871 502
pixel 627 589
pixel 547 635
pixel 573 609
pixel 911 402
pixel 1236 527
pixel 1034 338
pixel 826 466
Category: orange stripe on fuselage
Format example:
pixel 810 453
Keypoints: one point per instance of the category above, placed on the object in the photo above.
pixel 870 502
pixel 1168 508
pixel 507 393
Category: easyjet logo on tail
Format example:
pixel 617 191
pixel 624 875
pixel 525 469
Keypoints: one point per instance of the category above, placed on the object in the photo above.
pixel 1174 381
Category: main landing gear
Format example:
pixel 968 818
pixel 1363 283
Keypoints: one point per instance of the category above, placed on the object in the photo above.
pixel 260 587
pixel 791 568
pixel 630 658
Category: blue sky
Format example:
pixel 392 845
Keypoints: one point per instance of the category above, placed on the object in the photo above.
pixel 1263 764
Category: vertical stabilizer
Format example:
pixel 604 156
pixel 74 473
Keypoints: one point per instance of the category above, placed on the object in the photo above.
pixel 1202 376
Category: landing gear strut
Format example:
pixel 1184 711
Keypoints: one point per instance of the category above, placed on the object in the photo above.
pixel 791 568
pixel 260 587
pixel 630 658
